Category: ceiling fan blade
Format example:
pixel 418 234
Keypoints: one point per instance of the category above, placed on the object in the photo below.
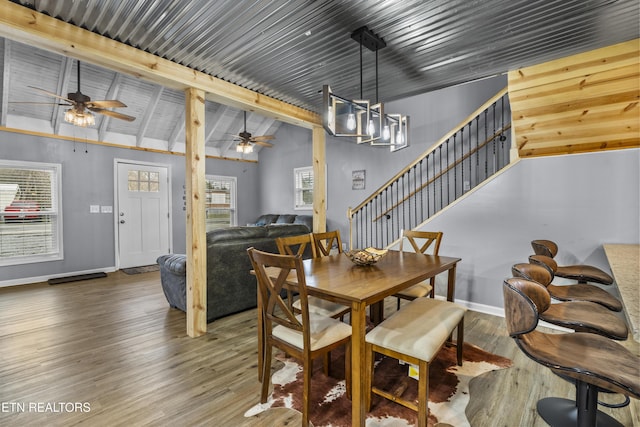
pixel 37 103
pixel 113 114
pixel 107 103
pixel 263 143
pixel 262 137
pixel 46 92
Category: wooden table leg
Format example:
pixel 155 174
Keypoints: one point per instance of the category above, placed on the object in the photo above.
pixel 377 312
pixel 451 284
pixel 358 370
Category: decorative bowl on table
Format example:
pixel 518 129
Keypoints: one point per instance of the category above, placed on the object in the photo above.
pixel 368 256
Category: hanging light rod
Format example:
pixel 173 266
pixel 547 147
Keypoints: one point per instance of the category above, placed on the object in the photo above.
pixel 368 39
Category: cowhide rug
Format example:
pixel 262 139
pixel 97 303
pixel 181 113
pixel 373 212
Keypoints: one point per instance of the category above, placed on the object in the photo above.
pixel 329 406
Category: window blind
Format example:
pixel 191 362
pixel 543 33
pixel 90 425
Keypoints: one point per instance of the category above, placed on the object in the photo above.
pixel 29 212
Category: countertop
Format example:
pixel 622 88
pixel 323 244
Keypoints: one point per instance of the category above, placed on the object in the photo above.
pixel 625 265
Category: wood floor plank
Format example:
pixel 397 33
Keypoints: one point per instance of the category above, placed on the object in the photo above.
pixel 115 344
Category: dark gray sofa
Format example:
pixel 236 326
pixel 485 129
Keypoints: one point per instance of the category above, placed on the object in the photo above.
pixel 230 286
pixel 285 219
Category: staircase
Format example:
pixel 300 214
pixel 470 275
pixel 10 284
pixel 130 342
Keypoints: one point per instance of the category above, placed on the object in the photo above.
pixel 462 159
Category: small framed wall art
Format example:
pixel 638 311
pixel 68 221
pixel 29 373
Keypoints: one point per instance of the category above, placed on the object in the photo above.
pixel 358 180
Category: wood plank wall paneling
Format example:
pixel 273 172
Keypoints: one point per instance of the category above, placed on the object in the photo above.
pixel 581 103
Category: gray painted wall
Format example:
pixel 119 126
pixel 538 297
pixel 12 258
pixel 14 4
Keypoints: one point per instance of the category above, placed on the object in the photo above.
pixel 87 178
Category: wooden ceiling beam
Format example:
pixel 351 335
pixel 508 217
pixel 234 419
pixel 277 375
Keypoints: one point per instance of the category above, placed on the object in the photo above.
pixel 27 26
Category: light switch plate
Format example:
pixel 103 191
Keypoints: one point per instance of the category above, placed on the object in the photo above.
pixel 94 208
pixel 106 209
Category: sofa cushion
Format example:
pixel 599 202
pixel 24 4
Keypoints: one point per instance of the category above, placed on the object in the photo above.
pixel 306 220
pixel 236 233
pixel 266 219
pixel 285 219
pixel 281 230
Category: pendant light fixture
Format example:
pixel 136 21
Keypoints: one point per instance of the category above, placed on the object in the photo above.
pixel 358 118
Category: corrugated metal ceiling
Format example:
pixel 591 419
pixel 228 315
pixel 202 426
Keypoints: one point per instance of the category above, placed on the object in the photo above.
pixel 289 49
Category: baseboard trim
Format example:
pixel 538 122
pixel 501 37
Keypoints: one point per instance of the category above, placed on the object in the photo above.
pixel 38 279
pixel 499 312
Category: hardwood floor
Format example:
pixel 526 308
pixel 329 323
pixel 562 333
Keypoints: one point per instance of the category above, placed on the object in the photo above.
pixel 111 352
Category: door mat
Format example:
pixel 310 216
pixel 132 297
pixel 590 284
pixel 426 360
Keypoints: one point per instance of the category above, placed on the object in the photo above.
pixel 143 269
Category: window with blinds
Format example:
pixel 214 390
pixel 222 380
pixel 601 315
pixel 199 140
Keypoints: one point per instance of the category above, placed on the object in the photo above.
pixel 30 212
pixel 220 202
pixel 303 187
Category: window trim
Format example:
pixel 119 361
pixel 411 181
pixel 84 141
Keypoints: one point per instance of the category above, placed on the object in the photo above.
pixel 296 173
pixel 56 211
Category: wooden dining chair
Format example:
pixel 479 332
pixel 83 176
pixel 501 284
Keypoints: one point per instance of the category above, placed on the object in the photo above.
pixel 414 334
pixel 577 291
pixel 420 241
pixel 593 361
pixel 326 241
pixel 297 245
pixel 305 335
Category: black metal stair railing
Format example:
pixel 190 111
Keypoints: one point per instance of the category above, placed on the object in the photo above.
pixel 463 158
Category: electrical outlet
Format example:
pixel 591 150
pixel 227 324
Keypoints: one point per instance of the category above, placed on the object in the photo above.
pixel 466 186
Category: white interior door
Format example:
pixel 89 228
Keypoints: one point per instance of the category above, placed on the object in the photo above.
pixel 143 213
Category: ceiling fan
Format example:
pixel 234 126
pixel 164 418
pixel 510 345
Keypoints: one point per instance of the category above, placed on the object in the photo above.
pixel 80 103
pixel 246 141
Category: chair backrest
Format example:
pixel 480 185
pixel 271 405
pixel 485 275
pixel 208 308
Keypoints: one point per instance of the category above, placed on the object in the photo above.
pixel 544 247
pixel 534 272
pixel 274 308
pixel 422 240
pixel 523 301
pixel 324 242
pixel 546 262
pixel 296 245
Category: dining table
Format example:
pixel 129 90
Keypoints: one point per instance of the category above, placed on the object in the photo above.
pixel 336 278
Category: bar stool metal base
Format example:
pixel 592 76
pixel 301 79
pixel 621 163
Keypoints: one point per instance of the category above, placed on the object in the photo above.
pixel 559 412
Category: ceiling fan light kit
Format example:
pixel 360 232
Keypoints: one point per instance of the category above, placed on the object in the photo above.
pixel 246 141
pixel 82 107
pixel 359 119
pixel 79 118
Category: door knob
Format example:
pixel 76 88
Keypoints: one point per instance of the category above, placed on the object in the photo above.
pixel 122 221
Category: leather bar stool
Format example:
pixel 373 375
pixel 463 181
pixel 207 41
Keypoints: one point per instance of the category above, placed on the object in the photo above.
pixel 581 316
pixel 582 273
pixel 594 362
pixel 578 291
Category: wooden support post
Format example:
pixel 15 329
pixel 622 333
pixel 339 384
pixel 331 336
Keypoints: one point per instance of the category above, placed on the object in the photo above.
pixel 319 180
pixel 196 234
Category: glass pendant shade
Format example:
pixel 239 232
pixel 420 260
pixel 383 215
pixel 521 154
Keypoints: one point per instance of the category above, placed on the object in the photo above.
pixel 341 116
